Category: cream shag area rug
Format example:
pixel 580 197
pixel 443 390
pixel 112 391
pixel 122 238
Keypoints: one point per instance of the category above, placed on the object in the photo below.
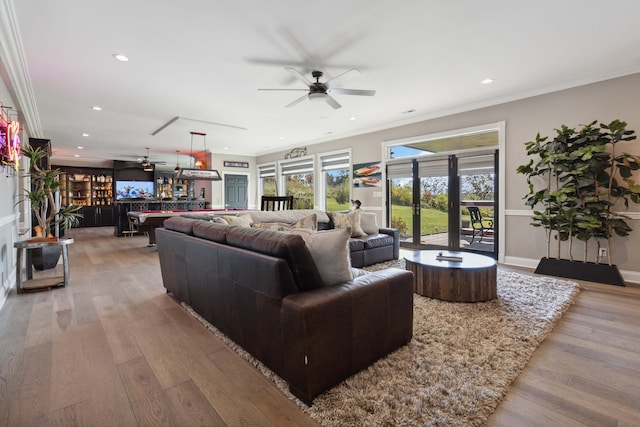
pixel 457 367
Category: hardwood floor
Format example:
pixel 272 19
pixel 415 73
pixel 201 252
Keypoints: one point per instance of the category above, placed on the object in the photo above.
pixel 113 349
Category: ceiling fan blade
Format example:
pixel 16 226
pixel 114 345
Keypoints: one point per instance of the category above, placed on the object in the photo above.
pixel 343 77
pixel 342 91
pixel 296 90
pixel 332 102
pixel 299 76
pixel 302 98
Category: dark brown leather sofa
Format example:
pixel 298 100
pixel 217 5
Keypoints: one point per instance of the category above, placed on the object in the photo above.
pixel 262 289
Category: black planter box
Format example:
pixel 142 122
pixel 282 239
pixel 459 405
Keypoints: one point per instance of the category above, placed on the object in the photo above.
pixel 589 271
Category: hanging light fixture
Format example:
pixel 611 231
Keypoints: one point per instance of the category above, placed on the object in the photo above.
pixel 193 173
pixel 177 161
pixel 146 164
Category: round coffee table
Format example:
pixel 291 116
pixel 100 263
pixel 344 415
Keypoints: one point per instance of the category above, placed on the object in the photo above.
pixel 473 279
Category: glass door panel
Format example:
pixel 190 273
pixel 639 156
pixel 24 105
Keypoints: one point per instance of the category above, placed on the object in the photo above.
pixel 477 203
pixel 402 207
pixel 434 203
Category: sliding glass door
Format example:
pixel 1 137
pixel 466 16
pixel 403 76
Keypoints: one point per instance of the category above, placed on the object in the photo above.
pixel 445 201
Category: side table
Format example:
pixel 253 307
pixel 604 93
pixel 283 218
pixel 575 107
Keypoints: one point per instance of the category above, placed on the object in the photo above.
pixel 45 282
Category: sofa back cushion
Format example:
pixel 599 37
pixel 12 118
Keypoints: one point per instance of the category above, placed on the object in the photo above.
pixel 180 224
pixel 287 246
pixel 210 230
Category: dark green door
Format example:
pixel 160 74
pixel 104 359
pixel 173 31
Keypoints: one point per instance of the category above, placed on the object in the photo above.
pixel 235 191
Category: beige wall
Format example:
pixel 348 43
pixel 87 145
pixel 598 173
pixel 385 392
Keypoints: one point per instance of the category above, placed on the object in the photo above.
pixel 605 101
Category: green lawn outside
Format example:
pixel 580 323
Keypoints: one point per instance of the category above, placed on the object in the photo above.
pixel 333 205
pixel 430 219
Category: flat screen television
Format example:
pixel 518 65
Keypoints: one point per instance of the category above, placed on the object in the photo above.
pixel 134 190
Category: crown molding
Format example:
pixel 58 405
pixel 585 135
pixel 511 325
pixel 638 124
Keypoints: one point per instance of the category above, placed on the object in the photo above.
pixel 15 64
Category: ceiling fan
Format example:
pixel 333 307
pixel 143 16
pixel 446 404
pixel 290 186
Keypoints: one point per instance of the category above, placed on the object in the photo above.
pixel 319 91
pixel 146 163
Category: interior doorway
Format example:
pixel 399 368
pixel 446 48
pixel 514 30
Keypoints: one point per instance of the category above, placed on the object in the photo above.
pixel 235 191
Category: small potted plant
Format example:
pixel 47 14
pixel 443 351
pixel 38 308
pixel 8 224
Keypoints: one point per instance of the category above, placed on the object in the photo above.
pixel 45 183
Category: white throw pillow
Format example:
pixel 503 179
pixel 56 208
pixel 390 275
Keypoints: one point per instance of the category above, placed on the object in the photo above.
pixel 349 220
pixel 369 222
pixel 330 251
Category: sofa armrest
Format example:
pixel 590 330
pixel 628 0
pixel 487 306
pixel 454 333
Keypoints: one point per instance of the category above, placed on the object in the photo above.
pixel 334 332
pixel 395 233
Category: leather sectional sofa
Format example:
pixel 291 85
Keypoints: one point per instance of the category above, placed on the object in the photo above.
pixel 374 245
pixel 263 289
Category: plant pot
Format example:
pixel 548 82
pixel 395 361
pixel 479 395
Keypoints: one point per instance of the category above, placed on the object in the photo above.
pixel 46 257
pixel 589 271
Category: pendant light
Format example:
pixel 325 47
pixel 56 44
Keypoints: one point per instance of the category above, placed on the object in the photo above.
pixel 193 173
pixel 177 169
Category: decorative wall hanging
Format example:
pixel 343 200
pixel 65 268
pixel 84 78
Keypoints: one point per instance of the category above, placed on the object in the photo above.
pixel 228 164
pixel 296 152
pixel 9 139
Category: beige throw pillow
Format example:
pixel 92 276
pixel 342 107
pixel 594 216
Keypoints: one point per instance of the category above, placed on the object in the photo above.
pixel 309 222
pixel 219 220
pixel 349 220
pixel 240 221
pixel 330 251
pixel 369 222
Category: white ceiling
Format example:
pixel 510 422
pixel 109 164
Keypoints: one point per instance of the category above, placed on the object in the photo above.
pixel 205 60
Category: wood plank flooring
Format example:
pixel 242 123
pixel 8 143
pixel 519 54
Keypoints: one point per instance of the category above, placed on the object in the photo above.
pixel 113 349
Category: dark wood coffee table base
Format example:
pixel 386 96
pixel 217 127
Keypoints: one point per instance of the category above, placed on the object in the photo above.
pixel 472 280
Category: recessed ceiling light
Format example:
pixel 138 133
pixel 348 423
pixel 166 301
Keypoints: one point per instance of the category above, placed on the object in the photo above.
pixel 76 155
pixel 281 138
pixel 85 134
pixel 96 108
pixel 487 81
pixel 80 147
pixel 352 118
pixel 225 148
pixel 120 57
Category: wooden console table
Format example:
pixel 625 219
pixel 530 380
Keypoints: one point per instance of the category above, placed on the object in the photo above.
pixel 45 282
pixel 473 279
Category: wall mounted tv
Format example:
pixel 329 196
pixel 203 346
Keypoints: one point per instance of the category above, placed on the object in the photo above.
pixel 134 190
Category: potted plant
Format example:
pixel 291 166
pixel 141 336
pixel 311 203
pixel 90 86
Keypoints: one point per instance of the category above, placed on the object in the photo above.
pixel 581 180
pixel 45 183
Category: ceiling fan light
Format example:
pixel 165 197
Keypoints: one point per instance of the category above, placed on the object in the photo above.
pixel 148 168
pixel 317 96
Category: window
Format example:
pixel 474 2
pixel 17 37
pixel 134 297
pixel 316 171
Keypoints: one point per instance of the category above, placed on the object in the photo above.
pixel 336 181
pixel 268 182
pixel 298 181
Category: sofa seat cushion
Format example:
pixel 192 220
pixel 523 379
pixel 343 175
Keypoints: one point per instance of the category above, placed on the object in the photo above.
pixel 280 244
pixel 356 244
pixel 376 240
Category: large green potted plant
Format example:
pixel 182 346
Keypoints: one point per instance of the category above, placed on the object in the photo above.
pixel 581 182
pixel 45 183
